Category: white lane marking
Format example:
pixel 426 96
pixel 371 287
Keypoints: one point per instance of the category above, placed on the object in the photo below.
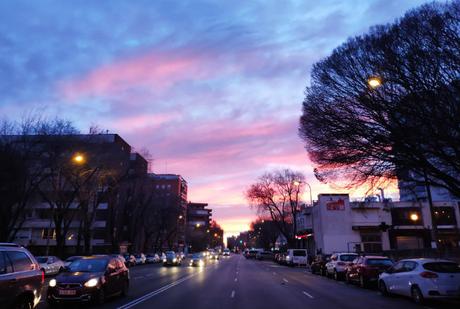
pixel 233 294
pixel 236 279
pixel 305 293
pixel 285 280
pixel 156 292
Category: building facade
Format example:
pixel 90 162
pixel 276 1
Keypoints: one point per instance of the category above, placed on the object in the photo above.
pixel 335 224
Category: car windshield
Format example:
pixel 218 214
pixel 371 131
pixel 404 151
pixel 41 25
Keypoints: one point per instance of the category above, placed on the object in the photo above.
pixel 42 259
pixel 138 256
pixel 88 265
pixel 379 262
pixel 300 253
pixel 197 255
pixel 348 257
pixel 443 267
pixel 170 254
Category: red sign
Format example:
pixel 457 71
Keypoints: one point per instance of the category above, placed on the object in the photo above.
pixel 336 205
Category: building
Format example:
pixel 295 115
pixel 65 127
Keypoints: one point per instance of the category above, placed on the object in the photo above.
pixel 198 226
pixel 335 224
pixel 173 190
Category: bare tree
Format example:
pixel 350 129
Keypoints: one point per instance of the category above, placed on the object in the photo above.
pixel 407 119
pixel 277 195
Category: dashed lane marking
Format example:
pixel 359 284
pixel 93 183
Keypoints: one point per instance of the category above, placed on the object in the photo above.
pixel 233 294
pixel 309 295
pixel 285 280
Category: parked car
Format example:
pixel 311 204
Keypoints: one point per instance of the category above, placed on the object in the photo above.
pixel 70 259
pixel 152 258
pixel 226 252
pixel 51 265
pixel 198 259
pixel 140 259
pixel 281 258
pixel 21 279
pixel 337 266
pixel 318 266
pixel 264 255
pixel 130 260
pixel 422 279
pixel 92 278
pixel 172 259
pixel 365 270
pixel 296 257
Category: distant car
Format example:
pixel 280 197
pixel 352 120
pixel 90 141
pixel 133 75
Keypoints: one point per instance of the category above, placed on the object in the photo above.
pixel 296 257
pixel 226 252
pixel 51 265
pixel 365 270
pixel 21 279
pixel 198 259
pixel 152 258
pixel 140 259
pixel 172 259
pixel 252 253
pixel 92 278
pixel 130 260
pixel 265 255
pixel 337 266
pixel 70 259
pixel 213 255
pixel 422 279
pixel 318 266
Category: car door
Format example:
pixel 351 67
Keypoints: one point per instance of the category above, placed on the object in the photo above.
pixel 392 277
pixel 406 278
pixel 7 282
pixel 353 268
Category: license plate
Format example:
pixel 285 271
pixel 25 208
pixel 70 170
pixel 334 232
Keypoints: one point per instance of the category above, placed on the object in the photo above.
pixel 67 292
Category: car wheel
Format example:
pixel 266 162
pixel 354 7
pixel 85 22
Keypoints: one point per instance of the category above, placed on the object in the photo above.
pixel 100 297
pixel 24 303
pixel 383 288
pixel 336 275
pixel 417 295
pixel 362 282
pixel 125 289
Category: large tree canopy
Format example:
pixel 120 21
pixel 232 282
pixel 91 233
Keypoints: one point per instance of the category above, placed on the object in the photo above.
pixel 410 122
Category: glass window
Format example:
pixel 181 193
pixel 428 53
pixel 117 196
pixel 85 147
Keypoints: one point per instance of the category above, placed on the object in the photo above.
pixel 443 267
pixel 347 257
pixel 398 268
pixel 410 266
pixel 4 265
pixel 379 262
pixel 88 265
pixel 445 216
pixel 20 261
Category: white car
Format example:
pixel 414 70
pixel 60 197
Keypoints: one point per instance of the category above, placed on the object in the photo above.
pixel 152 258
pixel 422 279
pixel 337 266
pixel 296 257
pixel 140 259
pixel 51 265
pixel 226 252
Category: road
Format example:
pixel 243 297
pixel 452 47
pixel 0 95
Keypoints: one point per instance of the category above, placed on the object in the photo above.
pixel 237 283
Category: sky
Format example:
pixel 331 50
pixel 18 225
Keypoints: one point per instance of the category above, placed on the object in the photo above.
pixel 213 89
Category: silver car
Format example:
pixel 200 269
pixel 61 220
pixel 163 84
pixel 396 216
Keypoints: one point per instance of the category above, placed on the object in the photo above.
pixel 50 265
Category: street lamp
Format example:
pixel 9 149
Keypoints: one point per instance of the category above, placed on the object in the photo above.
pixel 374 82
pixel 79 159
pixel 198 225
pixel 414 217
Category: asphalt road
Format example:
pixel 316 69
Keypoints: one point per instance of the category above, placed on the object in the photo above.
pixel 237 283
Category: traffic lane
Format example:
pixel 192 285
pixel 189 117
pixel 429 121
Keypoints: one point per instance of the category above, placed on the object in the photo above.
pixel 143 279
pixel 338 291
pixel 206 287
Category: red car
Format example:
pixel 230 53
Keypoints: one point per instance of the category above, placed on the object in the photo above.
pixel 366 269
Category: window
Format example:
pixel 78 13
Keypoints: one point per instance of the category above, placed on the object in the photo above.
pixel 406 216
pixel 48 233
pixel 20 261
pixel 398 268
pixel 372 241
pixel 410 266
pixel 5 266
pixel 409 242
pixel 445 216
pixel 443 267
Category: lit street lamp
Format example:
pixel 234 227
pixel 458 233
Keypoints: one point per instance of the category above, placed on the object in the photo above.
pixel 414 217
pixel 79 159
pixel 374 82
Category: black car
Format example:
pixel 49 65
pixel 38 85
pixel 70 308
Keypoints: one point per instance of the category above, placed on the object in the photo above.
pixel 21 279
pixel 198 259
pixel 172 259
pixel 318 266
pixel 89 279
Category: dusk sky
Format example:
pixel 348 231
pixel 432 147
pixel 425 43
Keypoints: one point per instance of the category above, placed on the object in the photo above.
pixel 213 89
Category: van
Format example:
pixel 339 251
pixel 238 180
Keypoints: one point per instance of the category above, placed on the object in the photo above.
pixel 296 257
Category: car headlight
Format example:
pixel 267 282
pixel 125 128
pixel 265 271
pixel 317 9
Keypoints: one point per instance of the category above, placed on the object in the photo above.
pixel 174 260
pixel 201 263
pixel 91 283
pixel 164 260
pixel 52 283
pixel 288 258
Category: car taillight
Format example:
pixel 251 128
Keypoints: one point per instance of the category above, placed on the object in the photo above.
pixel 341 263
pixel 43 277
pixel 429 275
